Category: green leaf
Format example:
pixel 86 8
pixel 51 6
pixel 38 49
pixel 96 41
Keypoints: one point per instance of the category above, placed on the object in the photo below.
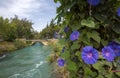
pixel 117 73
pixel 77 25
pixel 110 75
pixel 88 23
pixel 75 46
pixel 116 28
pixel 94 35
pixel 61 41
pixel 104 42
pixel 100 17
pixel 117 40
pixel 78 53
pixel 87 71
pixel 108 64
pixel 86 40
pixel 65 55
pixel 98 66
pixel 94 74
pixel 114 64
pixel 72 66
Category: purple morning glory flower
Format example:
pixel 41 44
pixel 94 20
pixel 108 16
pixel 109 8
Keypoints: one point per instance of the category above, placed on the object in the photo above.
pixel 89 55
pixel 113 43
pixel 118 11
pixel 108 53
pixel 93 2
pixel 74 35
pixel 66 29
pixel 61 62
pixel 116 48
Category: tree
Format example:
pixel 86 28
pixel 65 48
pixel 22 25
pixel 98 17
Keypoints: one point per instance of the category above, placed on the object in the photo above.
pixel 48 32
pixel 24 27
pixel 15 28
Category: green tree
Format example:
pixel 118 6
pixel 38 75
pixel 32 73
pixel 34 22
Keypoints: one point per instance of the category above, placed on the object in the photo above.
pixel 48 32
pixel 13 28
pixel 24 27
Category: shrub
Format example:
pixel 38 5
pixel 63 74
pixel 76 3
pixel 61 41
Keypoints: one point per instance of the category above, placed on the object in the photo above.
pixel 19 44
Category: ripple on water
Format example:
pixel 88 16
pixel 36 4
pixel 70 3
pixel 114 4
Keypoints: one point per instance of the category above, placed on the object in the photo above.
pixel 33 73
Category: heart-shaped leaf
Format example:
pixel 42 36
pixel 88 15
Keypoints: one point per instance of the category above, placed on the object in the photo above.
pixel 89 23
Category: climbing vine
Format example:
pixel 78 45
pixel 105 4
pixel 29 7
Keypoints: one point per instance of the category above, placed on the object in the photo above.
pixel 91 31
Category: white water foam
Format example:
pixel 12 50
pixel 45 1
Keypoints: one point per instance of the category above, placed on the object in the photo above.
pixel 33 73
pixel 2 56
pixel 15 76
pixel 39 64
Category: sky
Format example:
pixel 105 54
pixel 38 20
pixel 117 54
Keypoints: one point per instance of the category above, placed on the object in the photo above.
pixel 40 12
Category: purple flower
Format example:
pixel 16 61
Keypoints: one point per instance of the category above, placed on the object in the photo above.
pixel 89 55
pixel 74 35
pixel 118 11
pixel 66 29
pixel 108 53
pixel 93 2
pixel 61 62
pixel 113 43
pixel 116 48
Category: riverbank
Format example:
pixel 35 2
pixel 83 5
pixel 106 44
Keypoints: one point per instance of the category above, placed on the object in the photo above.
pixel 6 47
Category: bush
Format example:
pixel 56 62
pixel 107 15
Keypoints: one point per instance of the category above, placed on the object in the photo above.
pixel 20 44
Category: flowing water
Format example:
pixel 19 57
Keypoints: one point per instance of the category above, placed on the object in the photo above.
pixel 29 62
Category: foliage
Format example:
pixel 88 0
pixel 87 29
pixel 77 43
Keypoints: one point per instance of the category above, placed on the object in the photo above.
pixel 48 32
pixel 13 28
pixel 19 44
pixel 98 25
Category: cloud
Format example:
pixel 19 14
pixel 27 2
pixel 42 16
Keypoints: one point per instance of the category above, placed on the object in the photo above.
pixel 19 7
pixel 39 11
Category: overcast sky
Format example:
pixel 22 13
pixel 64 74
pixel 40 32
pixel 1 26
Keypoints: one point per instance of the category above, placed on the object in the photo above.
pixel 40 12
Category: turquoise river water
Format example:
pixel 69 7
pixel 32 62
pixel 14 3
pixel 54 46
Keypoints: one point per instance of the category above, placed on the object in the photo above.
pixel 30 62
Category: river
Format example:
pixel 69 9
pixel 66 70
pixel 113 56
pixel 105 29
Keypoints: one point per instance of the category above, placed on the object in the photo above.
pixel 30 62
